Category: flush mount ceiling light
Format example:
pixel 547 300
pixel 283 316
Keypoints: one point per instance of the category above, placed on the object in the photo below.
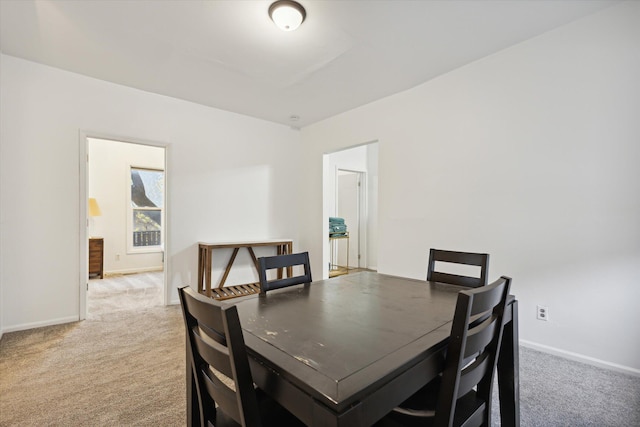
pixel 287 14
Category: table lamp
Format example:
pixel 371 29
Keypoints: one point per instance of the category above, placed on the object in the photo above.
pixel 94 209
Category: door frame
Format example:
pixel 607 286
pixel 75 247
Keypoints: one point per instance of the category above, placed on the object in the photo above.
pixel 361 213
pixel 83 244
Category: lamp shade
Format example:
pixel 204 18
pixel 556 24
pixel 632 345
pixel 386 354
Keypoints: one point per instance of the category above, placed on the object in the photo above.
pixel 94 209
pixel 287 15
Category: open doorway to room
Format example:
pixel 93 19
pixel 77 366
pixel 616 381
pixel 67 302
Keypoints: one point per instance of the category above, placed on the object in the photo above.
pixel 125 196
pixel 350 203
pixel 348 226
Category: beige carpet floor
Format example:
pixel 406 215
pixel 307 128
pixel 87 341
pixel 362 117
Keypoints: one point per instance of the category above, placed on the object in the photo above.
pixel 123 366
pixel 124 293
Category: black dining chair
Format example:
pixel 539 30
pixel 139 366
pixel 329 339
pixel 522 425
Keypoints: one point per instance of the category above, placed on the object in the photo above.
pixel 462 394
pixel 279 262
pixel 465 258
pixel 218 358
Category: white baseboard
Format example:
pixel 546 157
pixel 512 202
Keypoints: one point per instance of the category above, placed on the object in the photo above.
pixel 131 271
pixel 33 325
pixel 581 358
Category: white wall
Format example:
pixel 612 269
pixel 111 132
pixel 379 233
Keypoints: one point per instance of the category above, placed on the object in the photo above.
pixel 531 154
pixel 229 179
pixel 110 184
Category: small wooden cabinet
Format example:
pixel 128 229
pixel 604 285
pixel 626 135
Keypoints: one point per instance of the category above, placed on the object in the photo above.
pixel 96 257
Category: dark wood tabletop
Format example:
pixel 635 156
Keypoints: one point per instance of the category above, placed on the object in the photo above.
pixel 345 351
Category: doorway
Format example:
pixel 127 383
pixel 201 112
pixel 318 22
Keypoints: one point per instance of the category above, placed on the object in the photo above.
pixel 123 264
pixel 350 206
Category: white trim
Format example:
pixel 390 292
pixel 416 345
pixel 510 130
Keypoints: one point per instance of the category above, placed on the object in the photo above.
pixel 134 250
pixel 337 150
pixel 362 213
pixel 165 229
pixel 84 179
pixel 581 358
pixel 25 326
pixel 83 278
pixel 131 271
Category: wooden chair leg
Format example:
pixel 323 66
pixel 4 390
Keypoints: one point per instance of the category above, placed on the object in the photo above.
pixel 508 372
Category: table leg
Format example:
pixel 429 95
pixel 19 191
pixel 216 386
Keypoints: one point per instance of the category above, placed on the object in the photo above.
pixel 280 250
pixel 208 260
pixel 509 372
pixel 347 266
pixel 200 283
pixel 289 250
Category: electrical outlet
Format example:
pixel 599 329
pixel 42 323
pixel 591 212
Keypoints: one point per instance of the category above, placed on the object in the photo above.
pixel 117 257
pixel 542 313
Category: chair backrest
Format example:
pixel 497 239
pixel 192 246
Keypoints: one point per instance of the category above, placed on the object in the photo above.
pixel 279 262
pixel 476 334
pixel 466 258
pixel 214 340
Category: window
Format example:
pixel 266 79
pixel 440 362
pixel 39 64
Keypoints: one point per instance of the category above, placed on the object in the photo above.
pixel 147 204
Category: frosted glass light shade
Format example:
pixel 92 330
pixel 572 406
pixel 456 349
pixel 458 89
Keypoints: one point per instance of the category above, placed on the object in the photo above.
pixel 287 15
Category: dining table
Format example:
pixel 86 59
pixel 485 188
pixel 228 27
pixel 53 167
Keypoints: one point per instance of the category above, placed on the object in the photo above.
pixel 345 351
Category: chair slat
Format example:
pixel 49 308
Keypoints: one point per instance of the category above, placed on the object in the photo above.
pixel 280 261
pixel 466 258
pixel 283 283
pixel 213 354
pixel 480 336
pixel 472 374
pixel 484 302
pixel 454 279
pixel 283 261
pixel 224 397
pixel 206 314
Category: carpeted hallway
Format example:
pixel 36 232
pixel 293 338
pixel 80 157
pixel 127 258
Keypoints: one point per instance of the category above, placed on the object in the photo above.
pixel 127 292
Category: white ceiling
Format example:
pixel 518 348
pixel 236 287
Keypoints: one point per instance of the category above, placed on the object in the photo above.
pixel 229 55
